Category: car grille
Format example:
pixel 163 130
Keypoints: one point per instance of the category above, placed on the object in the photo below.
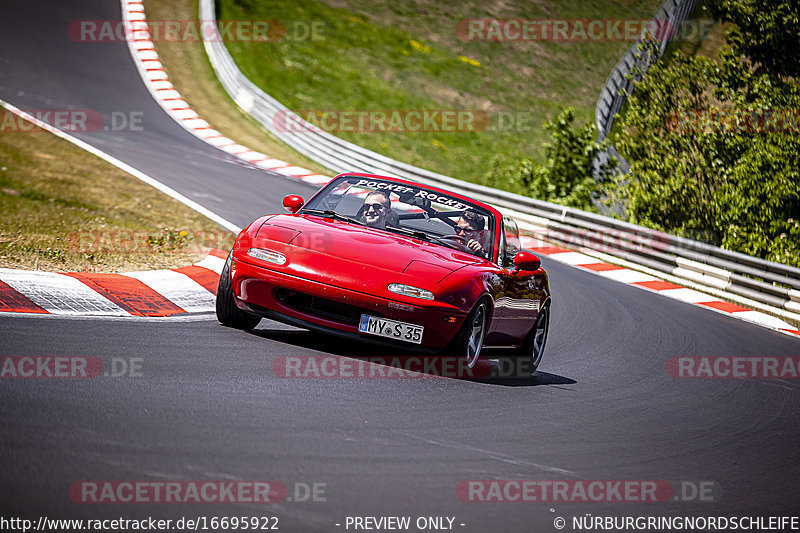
pixel 323 307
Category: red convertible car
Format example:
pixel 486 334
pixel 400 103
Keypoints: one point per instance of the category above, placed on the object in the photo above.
pixel 389 260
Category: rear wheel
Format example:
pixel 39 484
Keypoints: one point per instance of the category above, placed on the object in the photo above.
pixel 228 314
pixel 532 350
pixel 469 342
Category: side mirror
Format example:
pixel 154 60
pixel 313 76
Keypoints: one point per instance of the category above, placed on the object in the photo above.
pixel 293 203
pixel 526 261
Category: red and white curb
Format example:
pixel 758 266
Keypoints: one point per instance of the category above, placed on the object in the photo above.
pixel 152 72
pixel 154 293
pixel 653 284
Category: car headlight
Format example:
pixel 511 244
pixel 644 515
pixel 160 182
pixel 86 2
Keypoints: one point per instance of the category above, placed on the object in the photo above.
pixel 267 255
pixel 408 290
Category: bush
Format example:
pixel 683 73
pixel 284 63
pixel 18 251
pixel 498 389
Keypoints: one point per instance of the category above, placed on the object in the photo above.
pixel 705 161
pixel 566 175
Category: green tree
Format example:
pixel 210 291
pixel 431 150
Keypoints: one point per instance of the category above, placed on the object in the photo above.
pixel 705 162
pixel 767 34
pixel 565 177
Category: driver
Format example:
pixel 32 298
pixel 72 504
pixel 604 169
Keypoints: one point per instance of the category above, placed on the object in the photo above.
pixel 471 226
pixel 377 208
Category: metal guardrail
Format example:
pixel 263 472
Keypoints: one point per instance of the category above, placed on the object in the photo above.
pixel 619 84
pixel 772 284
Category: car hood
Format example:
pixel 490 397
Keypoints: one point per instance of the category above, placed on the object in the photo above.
pixel 322 248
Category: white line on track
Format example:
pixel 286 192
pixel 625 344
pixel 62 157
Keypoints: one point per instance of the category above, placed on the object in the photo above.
pixel 169 191
pixel 183 317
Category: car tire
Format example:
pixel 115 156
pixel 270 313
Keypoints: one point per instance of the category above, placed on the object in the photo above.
pixel 228 314
pixel 532 350
pixel 469 341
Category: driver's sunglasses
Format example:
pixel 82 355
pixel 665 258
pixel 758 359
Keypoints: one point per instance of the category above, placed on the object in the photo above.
pixel 465 231
pixel 376 207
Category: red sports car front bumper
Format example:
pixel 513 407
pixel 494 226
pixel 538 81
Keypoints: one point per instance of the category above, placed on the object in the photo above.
pixel 336 309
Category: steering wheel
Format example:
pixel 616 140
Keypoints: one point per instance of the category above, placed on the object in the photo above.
pixel 459 239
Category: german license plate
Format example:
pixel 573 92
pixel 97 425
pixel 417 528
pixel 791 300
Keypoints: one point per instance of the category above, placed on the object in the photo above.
pixel 384 327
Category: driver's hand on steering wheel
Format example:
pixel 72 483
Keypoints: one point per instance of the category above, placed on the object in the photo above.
pixel 475 246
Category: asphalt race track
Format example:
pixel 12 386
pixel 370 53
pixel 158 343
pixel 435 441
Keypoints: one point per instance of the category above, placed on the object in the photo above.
pixel 205 402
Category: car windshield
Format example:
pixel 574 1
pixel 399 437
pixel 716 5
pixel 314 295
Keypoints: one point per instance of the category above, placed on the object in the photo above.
pixel 408 209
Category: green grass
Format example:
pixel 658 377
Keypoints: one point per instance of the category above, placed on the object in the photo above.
pixel 67 210
pixel 365 60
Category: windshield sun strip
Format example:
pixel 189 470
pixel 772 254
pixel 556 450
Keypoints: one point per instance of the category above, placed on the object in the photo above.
pixel 422 202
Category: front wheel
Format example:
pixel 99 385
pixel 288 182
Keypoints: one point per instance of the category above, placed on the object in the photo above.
pixel 228 314
pixel 469 342
pixel 532 349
